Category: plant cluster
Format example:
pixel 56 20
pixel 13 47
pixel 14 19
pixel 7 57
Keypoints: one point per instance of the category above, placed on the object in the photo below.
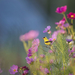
pixel 57 56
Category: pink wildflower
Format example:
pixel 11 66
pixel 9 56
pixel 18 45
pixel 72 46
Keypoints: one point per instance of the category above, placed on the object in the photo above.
pixel 63 19
pixel 41 61
pixel 13 69
pixel 54 35
pixel 41 68
pixel 42 55
pixel 34 48
pixel 62 31
pixel 70 74
pixel 71 15
pixel 36 42
pixel 51 61
pixel 29 60
pixel 49 32
pixel 50 51
pixel 66 25
pixel 47 29
pixel 46 71
pixel 29 36
pixel 60 23
pixel 25 72
pixel 73 56
pixel 61 10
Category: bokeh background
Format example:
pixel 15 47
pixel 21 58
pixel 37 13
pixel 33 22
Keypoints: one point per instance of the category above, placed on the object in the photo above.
pixel 20 16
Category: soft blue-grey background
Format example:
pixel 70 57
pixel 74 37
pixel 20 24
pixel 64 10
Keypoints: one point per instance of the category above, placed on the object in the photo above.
pixel 20 16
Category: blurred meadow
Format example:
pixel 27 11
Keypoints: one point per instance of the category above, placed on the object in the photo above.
pixel 17 17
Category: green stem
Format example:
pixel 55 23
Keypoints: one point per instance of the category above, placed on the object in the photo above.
pixel 25 46
pixel 65 17
pixel 72 30
pixel 72 21
pixel 29 43
pixel 67 22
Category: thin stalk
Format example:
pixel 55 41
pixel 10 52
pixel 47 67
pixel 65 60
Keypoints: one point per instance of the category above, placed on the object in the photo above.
pixel 65 17
pixel 66 22
pixel 25 46
pixel 71 21
pixel 29 43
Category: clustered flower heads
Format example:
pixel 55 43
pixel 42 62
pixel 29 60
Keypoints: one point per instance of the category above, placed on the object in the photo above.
pixel 29 36
pixel 57 56
pixel 14 69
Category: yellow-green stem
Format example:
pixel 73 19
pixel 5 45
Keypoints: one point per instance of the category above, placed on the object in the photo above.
pixel 25 46
pixel 72 30
pixel 65 17
pixel 29 43
pixel 67 22
pixel 71 21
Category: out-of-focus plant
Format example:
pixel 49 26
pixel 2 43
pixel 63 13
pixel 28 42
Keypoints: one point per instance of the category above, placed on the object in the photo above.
pixel 15 69
pixel 57 57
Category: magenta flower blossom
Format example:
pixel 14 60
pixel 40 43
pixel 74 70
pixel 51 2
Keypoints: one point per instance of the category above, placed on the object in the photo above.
pixel 51 61
pixel 29 36
pixel 35 42
pixel 46 71
pixel 29 60
pixel 1 70
pixel 60 23
pixel 47 29
pixel 69 40
pixel 35 45
pixel 61 10
pixel 73 56
pixel 25 72
pixel 71 15
pixel 62 31
pixel 72 49
pixel 41 61
pixel 50 51
pixel 42 55
pixel 13 69
pixel 49 32
pixel 25 68
pixel 63 19
pixel 29 53
pixel 66 25
pixel 71 52
pixel 50 39
pixel 41 69
pixel 54 35
pixel 34 48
